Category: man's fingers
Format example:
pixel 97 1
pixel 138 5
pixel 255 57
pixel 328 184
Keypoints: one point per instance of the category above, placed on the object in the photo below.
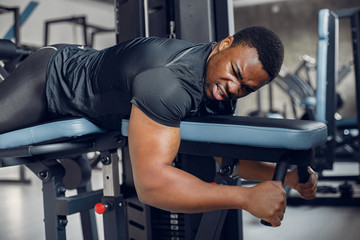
pixel 275 221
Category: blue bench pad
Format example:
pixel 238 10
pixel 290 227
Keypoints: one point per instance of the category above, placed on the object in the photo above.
pixel 245 131
pixel 251 131
pixel 48 131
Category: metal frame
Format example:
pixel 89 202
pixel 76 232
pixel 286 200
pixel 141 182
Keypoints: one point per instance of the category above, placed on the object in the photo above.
pixel 328 75
pixel 81 20
pixel 16 13
pixel 42 159
pixel 216 20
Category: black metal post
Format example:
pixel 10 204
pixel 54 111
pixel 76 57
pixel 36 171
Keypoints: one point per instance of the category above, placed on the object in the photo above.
pixel 355 32
pixel 212 223
pixel 115 226
pixel 331 73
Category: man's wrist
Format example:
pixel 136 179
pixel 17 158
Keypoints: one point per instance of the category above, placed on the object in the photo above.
pixel 290 179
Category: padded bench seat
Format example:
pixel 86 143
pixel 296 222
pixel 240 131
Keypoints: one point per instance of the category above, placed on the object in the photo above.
pixel 237 130
pixel 47 132
pixel 251 131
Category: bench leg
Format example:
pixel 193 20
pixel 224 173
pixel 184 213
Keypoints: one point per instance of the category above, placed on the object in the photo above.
pixel 51 175
pixel 54 224
pixel 88 221
pixel 212 223
pixel 114 218
pixel 57 206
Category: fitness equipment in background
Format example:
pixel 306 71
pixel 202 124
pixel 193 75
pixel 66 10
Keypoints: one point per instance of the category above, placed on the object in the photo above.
pixel 86 28
pixel 159 17
pixel 19 19
pixel 343 143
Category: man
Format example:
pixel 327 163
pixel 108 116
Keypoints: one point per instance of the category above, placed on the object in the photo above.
pixel 156 83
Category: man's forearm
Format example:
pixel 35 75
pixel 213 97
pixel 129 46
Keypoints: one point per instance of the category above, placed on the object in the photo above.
pixel 179 191
pixel 252 170
pixel 260 171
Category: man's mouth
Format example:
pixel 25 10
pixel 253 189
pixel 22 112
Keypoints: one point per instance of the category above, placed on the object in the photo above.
pixel 218 93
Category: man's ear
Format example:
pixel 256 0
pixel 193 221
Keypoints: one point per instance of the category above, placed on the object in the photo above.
pixel 226 42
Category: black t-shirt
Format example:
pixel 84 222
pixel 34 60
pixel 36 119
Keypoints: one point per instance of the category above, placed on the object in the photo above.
pixel 163 77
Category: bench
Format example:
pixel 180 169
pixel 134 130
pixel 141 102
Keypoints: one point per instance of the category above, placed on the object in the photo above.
pixel 53 150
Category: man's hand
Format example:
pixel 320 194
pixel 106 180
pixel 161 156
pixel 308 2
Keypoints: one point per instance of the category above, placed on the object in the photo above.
pixel 267 201
pixel 307 190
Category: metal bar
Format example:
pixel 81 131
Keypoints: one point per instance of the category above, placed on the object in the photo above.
pixel 88 221
pixel 332 63
pixel 84 25
pixel 224 19
pixel 111 176
pixel 228 150
pixel 212 223
pixel 146 18
pixel 3 74
pixel 46 34
pixel 346 12
pixel 114 219
pixel 76 20
pixel 54 224
pixel 62 148
pixel 77 203
pixel 115 224
pixel 17 27
pixel 279 175
pixel 355 32
pixel 117 19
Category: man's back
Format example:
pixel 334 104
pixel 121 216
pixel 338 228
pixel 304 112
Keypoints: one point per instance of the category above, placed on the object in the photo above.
pixel 163 77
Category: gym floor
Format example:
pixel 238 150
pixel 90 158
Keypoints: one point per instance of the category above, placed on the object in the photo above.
pixel 21 215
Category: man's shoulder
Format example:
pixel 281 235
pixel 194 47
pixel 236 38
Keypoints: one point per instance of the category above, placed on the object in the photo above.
pixel 165 44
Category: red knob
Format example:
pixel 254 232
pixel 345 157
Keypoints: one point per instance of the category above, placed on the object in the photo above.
pixel 100 208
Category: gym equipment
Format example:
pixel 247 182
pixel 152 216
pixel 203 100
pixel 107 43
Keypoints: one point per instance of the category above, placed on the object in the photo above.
pixel 52 149
pixel 9 51
pixel 327 75
pixel 80 20
pixel 16 12
pixel 19 19
pixel 300 88
pixel 343 142
pixel 159 18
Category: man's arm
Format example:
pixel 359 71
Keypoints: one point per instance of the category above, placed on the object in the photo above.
pixel 153 147
pixel 262 171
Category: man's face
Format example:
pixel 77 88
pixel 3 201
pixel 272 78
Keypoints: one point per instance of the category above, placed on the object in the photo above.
pixel 234 72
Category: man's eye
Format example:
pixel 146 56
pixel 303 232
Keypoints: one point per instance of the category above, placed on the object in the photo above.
pixel 249 89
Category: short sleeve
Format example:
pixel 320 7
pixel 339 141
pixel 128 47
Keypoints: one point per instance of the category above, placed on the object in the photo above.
pixel 161 96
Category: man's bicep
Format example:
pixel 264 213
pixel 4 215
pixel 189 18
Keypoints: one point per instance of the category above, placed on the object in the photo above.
pixel 151 143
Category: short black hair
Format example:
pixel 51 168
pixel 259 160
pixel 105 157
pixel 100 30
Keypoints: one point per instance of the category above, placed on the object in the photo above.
pixel 268 45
